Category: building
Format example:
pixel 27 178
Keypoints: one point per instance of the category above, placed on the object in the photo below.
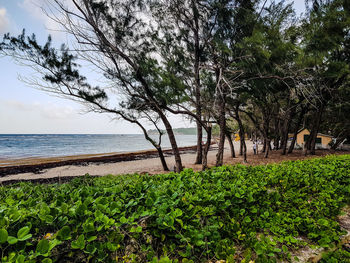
pixel 237 138
pixel 322 140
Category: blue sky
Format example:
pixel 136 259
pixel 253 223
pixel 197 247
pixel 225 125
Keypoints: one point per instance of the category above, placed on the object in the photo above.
pixel 24 109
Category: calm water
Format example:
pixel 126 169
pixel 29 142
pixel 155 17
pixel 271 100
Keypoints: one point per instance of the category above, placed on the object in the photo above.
pixel 35 145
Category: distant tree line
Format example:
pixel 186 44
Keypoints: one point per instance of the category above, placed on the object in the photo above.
pixel 247 64
pixel 180 131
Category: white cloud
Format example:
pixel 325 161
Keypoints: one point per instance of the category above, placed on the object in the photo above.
pixel 43 11
pixel 4 20
pixel 48 110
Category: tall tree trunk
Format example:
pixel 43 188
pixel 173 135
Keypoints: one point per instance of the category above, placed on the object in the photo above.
pixel 286 127
pixel 148 138
pixel 244 151
pixel 297 127
pixel 199 155
pixel 240 144
pixel 162 158
pixel 317 127
pixel 292 144
pixel 232 147
pixel 222 125
pixel 276 139
pixel 268 146
pixel 264 145
pixel 313 134
pixel 195 30
pixel 311 142
pixel 172 139
pixel 206 149
pixel 241 134
pixel 220 94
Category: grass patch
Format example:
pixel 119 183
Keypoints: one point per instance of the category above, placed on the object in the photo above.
pixel 233 213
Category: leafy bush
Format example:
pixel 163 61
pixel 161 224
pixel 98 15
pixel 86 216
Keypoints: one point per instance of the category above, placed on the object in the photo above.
pixel 230 212
pixel 338 256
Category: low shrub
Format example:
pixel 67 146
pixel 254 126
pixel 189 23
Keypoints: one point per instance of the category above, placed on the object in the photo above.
pixel 232 213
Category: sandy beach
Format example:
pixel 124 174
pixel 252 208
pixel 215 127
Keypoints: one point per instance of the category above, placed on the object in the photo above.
pixel 150 165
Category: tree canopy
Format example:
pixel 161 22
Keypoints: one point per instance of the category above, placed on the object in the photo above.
pixel 251 63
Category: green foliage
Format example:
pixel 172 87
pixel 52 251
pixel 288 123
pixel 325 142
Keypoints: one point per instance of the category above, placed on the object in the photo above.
pixel 227 213
pixel 338 256
pixel 180 131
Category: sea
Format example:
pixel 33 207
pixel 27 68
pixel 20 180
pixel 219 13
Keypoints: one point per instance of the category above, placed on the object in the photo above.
pixel 13 146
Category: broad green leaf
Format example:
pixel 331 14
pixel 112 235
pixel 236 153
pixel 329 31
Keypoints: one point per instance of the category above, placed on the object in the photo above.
pixel 137 229
pixel 90 249
pixel 92 238
pixel 20 259
pixel 79 243
pixel 12 240
pixel 247 219
pixel 81 209
pixel 53 243
pixel 64 233
pixel 88 227
pixel 3 236
pixel 22 234
pixel 43 247
pixel 178 212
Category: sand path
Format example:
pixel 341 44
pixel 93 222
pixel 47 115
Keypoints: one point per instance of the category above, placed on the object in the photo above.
pixel 153 165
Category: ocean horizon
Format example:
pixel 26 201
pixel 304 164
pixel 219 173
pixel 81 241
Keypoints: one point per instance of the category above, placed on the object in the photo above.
pixel 14 146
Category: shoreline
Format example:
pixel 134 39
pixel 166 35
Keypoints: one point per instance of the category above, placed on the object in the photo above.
pixel 37 164
pixel 141 162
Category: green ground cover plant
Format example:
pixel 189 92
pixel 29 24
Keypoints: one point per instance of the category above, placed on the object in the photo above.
pixel 340 255
pixel 233 213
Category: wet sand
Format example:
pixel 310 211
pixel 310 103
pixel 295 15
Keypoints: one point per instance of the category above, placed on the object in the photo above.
pixel 37 164
pixel 61 169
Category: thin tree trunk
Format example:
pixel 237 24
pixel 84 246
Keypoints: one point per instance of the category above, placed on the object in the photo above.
pixel 222 124
pixel 313 133
pixel 206 150
pixel 318 122
pixel 241 134
pixel 220 93
pixel 195 30
pixel 148 138
pixel 240 144
pixel 297 127
pixel 284 137
pixel 276 142
pixel 162 158
pixel 232 147
pixel 199 155
pixel 310 144
pixel 172 139
pixel 244 151
pixel 264 145
pixel 286 128
pixel 276 139
pixel 292 144
pixel 307 146
pixel 268 146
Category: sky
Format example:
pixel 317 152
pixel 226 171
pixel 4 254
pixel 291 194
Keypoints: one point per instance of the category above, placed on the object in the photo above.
pixel 26 110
